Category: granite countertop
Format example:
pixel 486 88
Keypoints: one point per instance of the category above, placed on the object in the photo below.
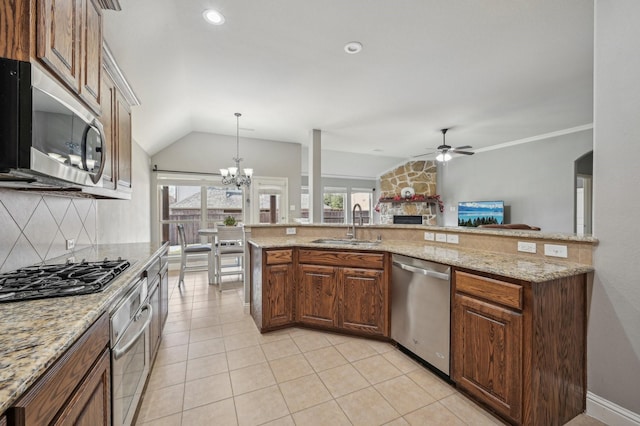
pixel 34 334
pixel 507 265
pixel 517 233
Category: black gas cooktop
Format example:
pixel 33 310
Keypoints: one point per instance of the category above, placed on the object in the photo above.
pixel 45 281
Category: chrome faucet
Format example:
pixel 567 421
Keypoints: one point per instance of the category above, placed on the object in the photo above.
pixel 352 234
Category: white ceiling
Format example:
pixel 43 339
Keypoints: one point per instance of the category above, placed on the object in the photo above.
pixel 493 71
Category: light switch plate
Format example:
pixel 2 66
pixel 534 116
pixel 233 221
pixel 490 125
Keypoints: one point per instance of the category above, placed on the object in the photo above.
pixel 442 238
pixel 555 250
pixel 527 247
pixel 429 236
pixel 452 238
pixel 71 244
pixel 291 231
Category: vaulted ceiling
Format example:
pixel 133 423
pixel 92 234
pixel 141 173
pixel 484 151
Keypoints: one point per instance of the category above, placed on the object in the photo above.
pixel 494 71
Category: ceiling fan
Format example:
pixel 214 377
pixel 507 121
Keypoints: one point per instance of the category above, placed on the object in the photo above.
pixel 444 151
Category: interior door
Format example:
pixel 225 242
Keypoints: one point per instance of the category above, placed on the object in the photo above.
pixel 269 200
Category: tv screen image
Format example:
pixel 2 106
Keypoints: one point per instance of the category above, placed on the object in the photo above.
pixel 475 213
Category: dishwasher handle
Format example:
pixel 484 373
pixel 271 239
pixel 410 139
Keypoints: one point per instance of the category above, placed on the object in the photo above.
pixel 423 271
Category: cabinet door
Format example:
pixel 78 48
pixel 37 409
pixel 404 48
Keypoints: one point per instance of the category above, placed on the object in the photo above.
pixel 164 297
pixel 154 326
pixel 91 53
pixel 123 126
pixel 58 38
pixel 317 295
pixel 363 301
pixel 91 403
pixel 487 353
pixel 107 119
pixel 278 295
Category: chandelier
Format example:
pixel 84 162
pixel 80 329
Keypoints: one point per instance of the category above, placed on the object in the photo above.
pixel 232 175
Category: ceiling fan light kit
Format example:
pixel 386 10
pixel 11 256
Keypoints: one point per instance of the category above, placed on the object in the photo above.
pixel 444 151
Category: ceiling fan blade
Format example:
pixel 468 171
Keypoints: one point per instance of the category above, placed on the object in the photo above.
pixel 462 147
pixel 463 152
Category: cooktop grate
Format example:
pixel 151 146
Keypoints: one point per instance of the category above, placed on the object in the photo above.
pixel 45 281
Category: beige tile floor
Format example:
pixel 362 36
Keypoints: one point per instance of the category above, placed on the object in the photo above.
pixel 215 368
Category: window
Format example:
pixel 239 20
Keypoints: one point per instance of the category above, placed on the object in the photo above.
pixel 196 202
pixel 338 202
pixel 334 205
pixel 363 197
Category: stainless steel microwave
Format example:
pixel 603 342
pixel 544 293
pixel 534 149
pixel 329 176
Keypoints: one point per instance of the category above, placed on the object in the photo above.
pixel 47 137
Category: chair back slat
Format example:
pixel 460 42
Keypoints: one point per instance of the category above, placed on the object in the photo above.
pixel 230 235
pixel 181 236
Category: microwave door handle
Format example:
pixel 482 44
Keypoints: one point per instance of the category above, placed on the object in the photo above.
pixel 118 352
pixel 96 175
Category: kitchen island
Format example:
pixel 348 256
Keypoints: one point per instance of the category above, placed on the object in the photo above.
pixel 518 321
pixel 35 334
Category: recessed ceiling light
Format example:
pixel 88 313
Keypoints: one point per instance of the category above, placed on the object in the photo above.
pixel 213 17
pixel 353 47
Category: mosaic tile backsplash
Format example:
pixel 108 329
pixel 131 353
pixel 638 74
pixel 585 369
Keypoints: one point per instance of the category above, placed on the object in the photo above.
pixel 34 227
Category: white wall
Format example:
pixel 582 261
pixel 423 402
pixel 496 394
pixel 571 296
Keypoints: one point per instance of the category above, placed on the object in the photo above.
pixel 208 153
pixel 535 180
pixel 614 322
pixel 349 164
pixel 128 221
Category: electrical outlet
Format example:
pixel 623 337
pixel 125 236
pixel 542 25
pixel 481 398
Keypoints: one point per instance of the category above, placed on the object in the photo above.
pixel 429 236
pixel 527 247
pixel 291 231
pixel 452 238
pixel 442 238
pixel 71 244
pixel 555 250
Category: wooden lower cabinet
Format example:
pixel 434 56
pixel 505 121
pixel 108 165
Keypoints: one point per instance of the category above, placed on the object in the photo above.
pixel 320 288
pixel 487 342
pixel 76 389
pixel 346 298
pixel 90 404
pixel 278 295
pixel 520 347
pixel 364 304
pixel 272 287
pixel 317 295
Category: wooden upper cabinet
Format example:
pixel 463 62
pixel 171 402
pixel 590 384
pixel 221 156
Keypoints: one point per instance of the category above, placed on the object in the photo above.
pixel 69 43
pixel 15 39
pixel 91 49
pixel 58 38
pixel 108 91
pixel 123 135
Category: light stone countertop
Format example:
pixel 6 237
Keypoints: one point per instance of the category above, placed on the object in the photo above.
pixel 517 233
pixel 34 334
pixel 511 266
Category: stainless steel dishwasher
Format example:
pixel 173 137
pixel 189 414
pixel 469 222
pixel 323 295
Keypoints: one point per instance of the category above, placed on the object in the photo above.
pixel 420 309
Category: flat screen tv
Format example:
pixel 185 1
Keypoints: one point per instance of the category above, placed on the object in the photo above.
pixel 475 213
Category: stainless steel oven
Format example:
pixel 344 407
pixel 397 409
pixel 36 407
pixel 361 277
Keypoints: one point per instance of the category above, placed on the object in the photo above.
pixel 130 352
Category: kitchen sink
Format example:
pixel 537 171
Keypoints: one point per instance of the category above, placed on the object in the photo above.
pixel 345 242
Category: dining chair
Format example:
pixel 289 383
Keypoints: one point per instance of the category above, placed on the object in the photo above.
pixel 191 250
pixel 229 245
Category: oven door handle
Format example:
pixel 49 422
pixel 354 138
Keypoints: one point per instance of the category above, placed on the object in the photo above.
pixel 118 352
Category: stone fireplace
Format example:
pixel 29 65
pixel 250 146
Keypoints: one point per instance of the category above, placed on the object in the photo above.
pixel 421 176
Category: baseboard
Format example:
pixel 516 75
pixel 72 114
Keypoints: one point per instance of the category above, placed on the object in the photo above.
pixel 610 413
